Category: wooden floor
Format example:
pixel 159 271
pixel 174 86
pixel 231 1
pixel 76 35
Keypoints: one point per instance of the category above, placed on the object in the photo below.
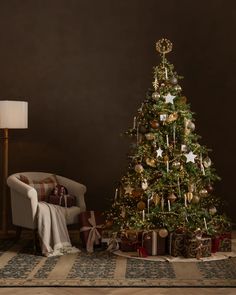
pixel 118 291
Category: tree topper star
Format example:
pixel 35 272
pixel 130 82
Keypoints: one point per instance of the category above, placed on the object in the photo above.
pixel 190 157
pixel 159 152
pixel 169 98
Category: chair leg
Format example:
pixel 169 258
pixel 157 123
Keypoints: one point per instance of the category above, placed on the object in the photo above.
pixel 35 240
pixel 18 233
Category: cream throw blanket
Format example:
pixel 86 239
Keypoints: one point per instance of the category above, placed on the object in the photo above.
pixel 53 231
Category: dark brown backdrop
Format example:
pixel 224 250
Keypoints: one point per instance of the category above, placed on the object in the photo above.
pixel 84 67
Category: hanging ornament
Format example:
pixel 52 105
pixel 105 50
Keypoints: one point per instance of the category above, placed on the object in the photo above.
pixel 190 157
pixel 195 199
pixel 142 129
pixel 144 184
pixel 189 196
pixel 191 125
pixel 178 88
pixel 150 136
pixel 176 164
pixel 154 124
pixel 209 188
pixel 191 187
pixel 141 205
pixel 212 210
pixel 207 162
pixel 156 199
pixel 163 117
pixel 203 192
pixel 151 162
pixel 172 198
pixel 108 224
pixel 183 100
pixel 169 98
pixel 173 80
pixel 138 168
pixel 137 193
pixel 184 148
pixel 123 213
pixel 159 152
pixel 172 117
pixel 156 95
pixel 163 232
pixel 166 160
pixel 128 189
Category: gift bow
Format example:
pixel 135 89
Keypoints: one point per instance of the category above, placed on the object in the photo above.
pixel 94 235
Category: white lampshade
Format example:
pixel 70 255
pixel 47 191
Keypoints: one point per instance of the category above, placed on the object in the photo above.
pixel 13 114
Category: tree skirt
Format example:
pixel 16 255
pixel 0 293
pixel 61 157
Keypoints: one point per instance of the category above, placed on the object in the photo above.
pixel 214 256
pixel 20 267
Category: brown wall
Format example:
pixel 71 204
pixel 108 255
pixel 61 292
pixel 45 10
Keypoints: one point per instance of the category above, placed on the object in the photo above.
pixel 84 67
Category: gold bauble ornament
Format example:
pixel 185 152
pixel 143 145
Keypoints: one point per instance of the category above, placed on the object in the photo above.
pixel 108 224
pixel 163 232
pixel 151 162
pixel 177 88
pixel 183 100
pixel 141 205
pixel 172 197
pixel 156 199
pixel 212 210
pixel 138 168
pixel 195 199
pixel 156 95
pixel 154 124
pixel 166 158
pixel 207 162
pixel 203 192
pixel 189 196
pixel 150 136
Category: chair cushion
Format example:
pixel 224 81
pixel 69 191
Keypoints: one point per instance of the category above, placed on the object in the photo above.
pixel 43 187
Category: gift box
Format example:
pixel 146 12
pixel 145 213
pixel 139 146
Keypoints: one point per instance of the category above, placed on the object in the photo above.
pixel 91 224
pixel 222 243
pixel 197 248
pixel 153 243
pixel 176 244
pixel 129 241
pixel 64 200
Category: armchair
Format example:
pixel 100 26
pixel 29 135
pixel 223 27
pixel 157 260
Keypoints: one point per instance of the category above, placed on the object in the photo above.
pixel 24 200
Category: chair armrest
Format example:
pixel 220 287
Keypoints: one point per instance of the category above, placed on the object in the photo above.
pixel 24 203
pixel 74 188
pixel 23 189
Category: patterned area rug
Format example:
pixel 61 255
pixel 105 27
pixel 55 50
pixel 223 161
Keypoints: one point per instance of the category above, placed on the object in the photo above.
pixel 20 267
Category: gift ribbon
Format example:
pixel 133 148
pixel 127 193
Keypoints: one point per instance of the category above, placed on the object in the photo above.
pixel 94 235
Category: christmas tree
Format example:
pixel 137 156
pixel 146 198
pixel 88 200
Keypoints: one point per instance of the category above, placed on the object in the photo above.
pixel 170 176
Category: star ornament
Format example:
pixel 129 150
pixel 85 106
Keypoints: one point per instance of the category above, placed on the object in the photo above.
pixel 169 98
pixel 128 189
pixel 159 152
pixel 190 157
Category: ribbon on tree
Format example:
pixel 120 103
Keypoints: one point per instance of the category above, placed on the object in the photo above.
pixel 94 235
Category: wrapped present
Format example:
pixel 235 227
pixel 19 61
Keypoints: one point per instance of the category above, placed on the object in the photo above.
pixel 91 223
pixel 129 241
pixel 153 243
pixel 222 243
pixel 197 247
pixel 176 244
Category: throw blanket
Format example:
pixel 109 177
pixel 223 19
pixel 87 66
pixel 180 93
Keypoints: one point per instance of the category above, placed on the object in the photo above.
pixel 53 231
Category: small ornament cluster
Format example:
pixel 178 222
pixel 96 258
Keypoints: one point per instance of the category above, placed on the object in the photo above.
pixel 169 180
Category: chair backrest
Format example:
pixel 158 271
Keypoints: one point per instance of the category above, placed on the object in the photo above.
pixel 33 175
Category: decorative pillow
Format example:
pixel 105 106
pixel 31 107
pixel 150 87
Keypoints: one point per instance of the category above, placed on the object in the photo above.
pixel 43 187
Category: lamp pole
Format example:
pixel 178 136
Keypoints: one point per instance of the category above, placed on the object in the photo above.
pixel 4 189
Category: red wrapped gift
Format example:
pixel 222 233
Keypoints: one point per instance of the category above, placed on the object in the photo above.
pixel 129 241
pixel 64 200
pixel 91 223
pixel 222 243
pixel 153 243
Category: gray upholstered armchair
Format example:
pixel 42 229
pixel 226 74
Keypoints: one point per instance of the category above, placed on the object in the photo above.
pixel 24 199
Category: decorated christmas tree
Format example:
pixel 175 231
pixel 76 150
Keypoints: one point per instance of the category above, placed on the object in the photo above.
pixel 170 176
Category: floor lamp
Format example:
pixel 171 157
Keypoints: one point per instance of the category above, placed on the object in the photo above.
pixel 13 115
